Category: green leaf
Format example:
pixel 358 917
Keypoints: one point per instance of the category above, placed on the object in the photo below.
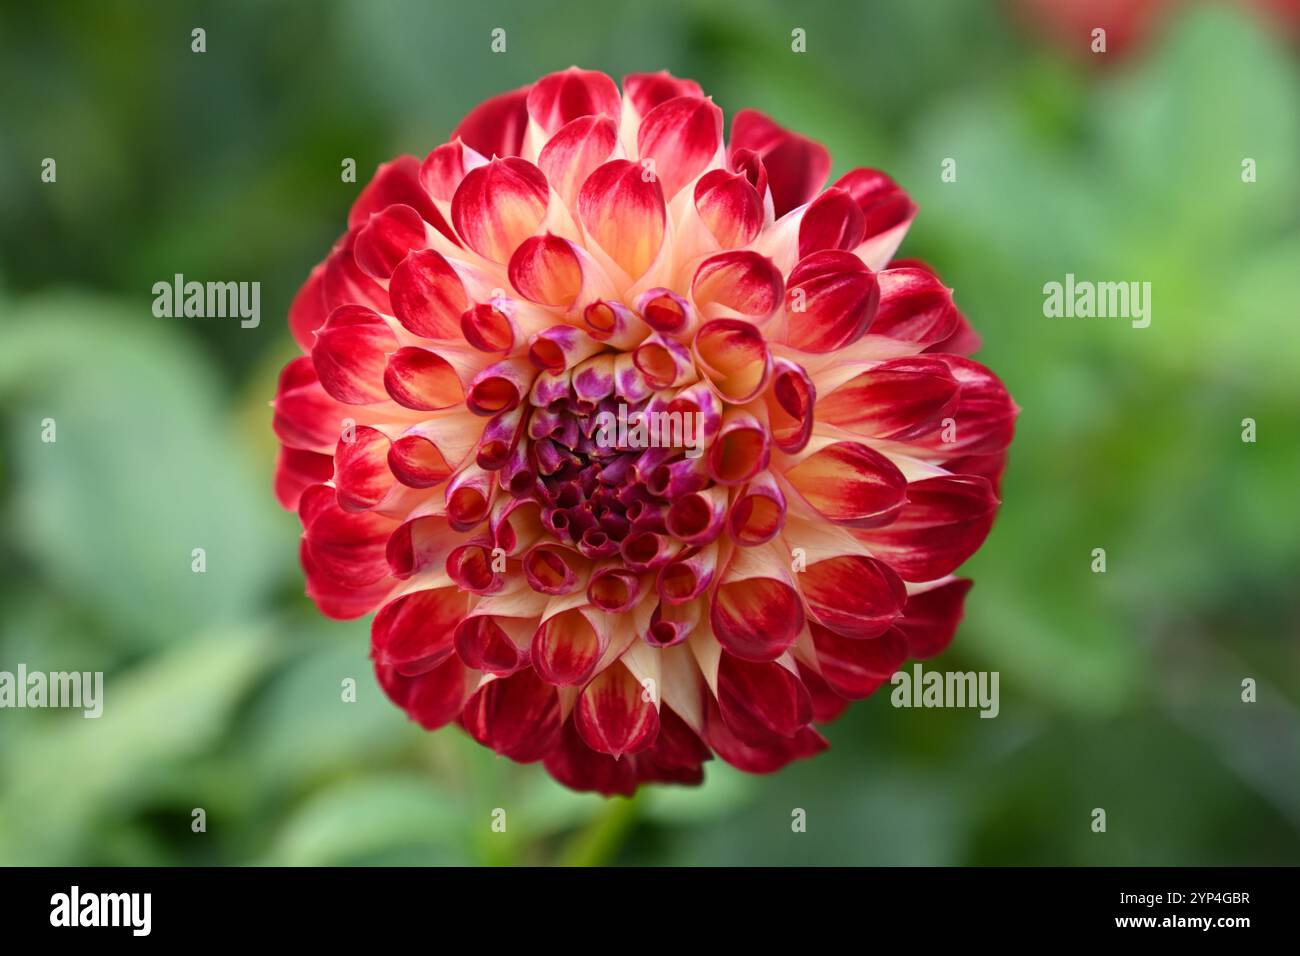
pixel 360 821
pixel 301 727
pixel 141 474
pixel 72 771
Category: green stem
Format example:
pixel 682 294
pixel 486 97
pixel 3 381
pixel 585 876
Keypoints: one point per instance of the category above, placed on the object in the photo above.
pixel 597 842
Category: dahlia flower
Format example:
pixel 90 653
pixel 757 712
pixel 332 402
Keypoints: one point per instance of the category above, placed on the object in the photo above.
pixel 622 613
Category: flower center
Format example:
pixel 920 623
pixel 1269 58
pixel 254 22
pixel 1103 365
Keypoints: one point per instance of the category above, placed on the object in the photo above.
pixel 594 491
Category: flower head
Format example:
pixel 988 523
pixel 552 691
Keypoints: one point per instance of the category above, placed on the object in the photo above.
pixel 638 440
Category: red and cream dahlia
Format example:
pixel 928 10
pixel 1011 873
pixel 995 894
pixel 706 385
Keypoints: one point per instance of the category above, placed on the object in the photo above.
pixel 622 609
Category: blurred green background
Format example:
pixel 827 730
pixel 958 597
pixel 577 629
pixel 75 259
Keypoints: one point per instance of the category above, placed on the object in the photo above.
pixel 1119 690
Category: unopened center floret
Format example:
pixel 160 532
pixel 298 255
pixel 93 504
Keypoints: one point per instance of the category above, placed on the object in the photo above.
pixel 594 492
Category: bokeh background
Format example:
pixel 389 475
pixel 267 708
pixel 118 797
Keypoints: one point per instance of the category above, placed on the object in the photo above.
pixel 1119 690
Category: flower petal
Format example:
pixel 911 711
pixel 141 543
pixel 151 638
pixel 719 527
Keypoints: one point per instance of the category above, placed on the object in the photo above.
pixel 790 404
pixel 688 576
pixel 898 399
pixel 759 700
pixel 741 449
pixel 831 300
pixel 677 753
pixel 387 238
pixel 614 590
pixel 343 552
pixel 471 567
pixel 855 668
pixel 931 617
pixel 566 648
pixel 417 462
pixel 758 512
pixel 428 296
pixel 499 205
pixel 848 483
pixel 397 182
pixel 336 599
pixel 423 380
pixel 733 356
pixel 499 439
pixel 420 544
pixel 306 416
pixel 729 206
pixel 578 767
pixel 796 167
pixel 755 612
pixel 887 211
pixel 984 416
pixel 296 470
pixel 547 270
pixel 769 756
pixel 500 387
pixel 697 518
pixel 350 355
pixel 487 328
pixel 664 362
pixel 615 715
pixel 623 213
pixel 484 643
pixel 361 475
pixel 826 704
pixel 682 137
pixel 496 127
pixel 469 497
pixel 574 153
pixel 964 340
pixel 517 716
pixel 914 307
pixel 664 310
pixel 346 283
pixel 552 568
pixel 612 323
pixel 740 283
pixel 307 312
pixel 832 221
pixel 414 633
pixel 853 595
pixel 944 522
pixel 645 91
pixel 444 168
pixel 559 98
pixel 432 699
